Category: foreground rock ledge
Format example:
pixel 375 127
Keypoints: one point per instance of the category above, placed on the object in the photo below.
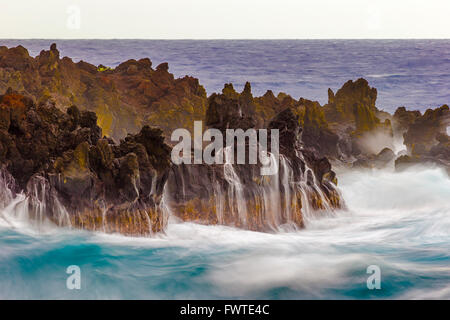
pixel 239 195
pixel 72 176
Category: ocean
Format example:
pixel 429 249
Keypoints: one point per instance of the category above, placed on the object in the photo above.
pixel 398 222
pixel 410 73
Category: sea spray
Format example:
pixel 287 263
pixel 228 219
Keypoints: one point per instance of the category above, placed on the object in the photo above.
pixel 236 195
pixel 31 208
pixel 237 202
pixel 406 234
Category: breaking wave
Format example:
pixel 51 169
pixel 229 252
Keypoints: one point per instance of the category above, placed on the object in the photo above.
pixel 398 221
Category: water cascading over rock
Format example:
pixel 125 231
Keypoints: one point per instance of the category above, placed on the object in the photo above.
pixel 57 169
pixel 237 194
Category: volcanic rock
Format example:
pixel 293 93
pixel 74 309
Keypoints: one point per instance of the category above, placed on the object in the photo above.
pixel 124 98
pixel 60 161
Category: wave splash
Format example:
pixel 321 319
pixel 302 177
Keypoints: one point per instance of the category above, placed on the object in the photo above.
pixel 399 221
pixel 18 210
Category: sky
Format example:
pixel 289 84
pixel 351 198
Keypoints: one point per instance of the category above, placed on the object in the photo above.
pixel 224 19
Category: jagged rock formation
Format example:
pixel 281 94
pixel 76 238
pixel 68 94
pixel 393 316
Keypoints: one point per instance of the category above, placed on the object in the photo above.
pixel 125 98
pixel 237 194
pixel 354 102
pixel 351 115
pixel 70 171
pixel 423 133
pixel 336 130
pixel 350 130
pixel 73 176
pixel 425 137
pixel 404 118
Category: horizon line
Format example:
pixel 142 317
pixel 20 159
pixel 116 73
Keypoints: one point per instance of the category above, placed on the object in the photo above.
pixel 225 39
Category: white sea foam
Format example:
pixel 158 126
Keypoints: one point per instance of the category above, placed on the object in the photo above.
pixel 399 221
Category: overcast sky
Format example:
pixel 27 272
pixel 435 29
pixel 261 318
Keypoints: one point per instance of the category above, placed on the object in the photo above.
pixel 225 19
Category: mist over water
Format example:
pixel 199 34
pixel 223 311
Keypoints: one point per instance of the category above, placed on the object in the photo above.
pixel 398 221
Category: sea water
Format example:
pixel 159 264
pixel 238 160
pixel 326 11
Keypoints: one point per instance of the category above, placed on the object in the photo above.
pixel 410 73
pixel 398 221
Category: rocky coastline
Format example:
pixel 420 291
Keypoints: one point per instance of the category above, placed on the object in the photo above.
pixel 89 146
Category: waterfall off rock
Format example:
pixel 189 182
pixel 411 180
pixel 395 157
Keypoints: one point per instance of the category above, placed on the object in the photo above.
pixel 88 182
pixel 238 195
pixel 60 167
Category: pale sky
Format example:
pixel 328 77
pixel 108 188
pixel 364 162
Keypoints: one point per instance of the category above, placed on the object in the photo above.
pixel 224 19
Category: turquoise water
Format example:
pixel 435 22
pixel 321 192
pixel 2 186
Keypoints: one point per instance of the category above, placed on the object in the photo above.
pixel 398 221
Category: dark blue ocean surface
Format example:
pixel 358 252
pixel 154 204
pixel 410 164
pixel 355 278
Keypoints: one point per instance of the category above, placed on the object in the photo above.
pixel 411 73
